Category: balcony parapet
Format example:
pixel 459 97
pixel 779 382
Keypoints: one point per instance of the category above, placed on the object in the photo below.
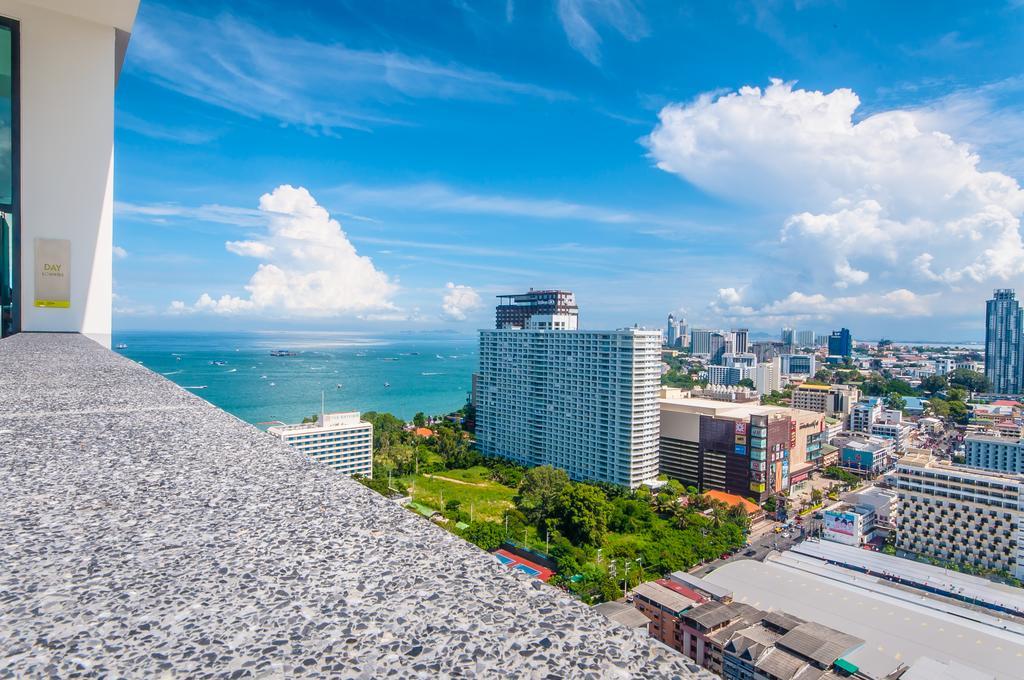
pixel 143 532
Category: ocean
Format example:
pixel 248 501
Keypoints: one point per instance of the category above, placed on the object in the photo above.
pixel 400 374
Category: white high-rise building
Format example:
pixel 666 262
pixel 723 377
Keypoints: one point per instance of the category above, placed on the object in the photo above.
pixel 341 440
pixel 768 376
pixel 583 401
pixel 805 338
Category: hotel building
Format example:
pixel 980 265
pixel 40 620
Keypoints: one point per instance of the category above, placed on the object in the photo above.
pixel 340 440
pixel 959 514
pixel 1000 454
pixel 583 401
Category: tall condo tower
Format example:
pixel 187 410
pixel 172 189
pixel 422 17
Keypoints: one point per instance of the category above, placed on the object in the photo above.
pixel 1003 352
pixel 583 401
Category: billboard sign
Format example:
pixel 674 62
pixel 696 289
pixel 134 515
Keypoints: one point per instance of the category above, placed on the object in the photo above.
pixel 840 522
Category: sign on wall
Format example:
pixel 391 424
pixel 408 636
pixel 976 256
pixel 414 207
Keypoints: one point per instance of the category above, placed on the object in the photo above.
pixel 53 275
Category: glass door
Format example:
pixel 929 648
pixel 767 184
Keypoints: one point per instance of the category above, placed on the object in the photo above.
pixel 10 241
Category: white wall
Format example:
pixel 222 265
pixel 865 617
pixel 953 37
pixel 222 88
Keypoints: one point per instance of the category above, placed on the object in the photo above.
pixel 67 145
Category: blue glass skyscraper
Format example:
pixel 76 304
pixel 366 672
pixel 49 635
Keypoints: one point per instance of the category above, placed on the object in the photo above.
pixel 1003 322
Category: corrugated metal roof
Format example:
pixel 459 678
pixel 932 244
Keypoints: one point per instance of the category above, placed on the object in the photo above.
pixel 820 643
pixel 780 664
pixel 663 596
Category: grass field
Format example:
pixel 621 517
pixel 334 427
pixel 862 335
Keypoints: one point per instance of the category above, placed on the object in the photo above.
pixel 470 487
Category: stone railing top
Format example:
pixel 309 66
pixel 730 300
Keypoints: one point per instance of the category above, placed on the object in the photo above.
pixel 145 532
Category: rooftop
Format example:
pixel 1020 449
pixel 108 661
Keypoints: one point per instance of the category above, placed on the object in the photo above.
pixel 895 631
pixel 732 499
pixel 623 613
pixel 144 531
pixel 665 597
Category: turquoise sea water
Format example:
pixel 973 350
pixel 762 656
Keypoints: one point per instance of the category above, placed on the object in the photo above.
pixel 401 374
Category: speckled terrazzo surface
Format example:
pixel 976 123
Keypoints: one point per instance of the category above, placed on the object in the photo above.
pixel 143 532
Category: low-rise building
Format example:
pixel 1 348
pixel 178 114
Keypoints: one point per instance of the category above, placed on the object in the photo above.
pixel 862 518
pixel 832 400
pixel 340 440
pixel 864 413
pixel 784 647
pixel 960 514
pixel 864 454
pixel 663 606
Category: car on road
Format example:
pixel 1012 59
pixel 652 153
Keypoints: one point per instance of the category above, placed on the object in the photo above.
pixel 725 556
pixel 786 535
pixel 750 553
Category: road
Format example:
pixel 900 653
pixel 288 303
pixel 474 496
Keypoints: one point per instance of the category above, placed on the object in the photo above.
pixel 763 545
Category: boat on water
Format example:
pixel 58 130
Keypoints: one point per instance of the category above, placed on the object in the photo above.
pixel 218 362
pixel 387 384
pixel 272 384
pixel 195 387
pixel 338 386
pixel 120 345
pixel 281 353
pixel 263 377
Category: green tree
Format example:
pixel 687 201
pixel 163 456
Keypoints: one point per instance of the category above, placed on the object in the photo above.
pixel 419 420
pixel 956 394
pixel 310 419
pixel 745 382
pixel 583 510
pixel 895 402
pixel 959 412
pixel 630 516
pixel 938 407
pixel 487 535
pixel 971 381
pixel 933 384
pixel 387 429
pixel 539 492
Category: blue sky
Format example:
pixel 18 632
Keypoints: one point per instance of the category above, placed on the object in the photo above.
pixel 359 165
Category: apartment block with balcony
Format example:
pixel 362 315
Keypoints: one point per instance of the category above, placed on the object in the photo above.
pixel 583 401
pixel 996 453
pixel 959 514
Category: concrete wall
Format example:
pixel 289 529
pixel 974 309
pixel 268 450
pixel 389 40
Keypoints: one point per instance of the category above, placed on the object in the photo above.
pixel 67 144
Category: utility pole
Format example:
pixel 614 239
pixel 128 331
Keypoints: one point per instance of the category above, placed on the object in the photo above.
pixel 625 576
pixel 506 524
pixel 547 543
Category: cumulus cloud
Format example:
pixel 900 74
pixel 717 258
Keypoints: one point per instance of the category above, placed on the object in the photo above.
pixel 885 213
pixel 459 301
pixel 308 266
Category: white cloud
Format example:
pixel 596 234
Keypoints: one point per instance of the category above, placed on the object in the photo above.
pixel 459 301
pixel 309 267
pixel 164 212
pixel 445 198
pixel 119 252
pixel 888 208
pixel 316 86
pixel 579 17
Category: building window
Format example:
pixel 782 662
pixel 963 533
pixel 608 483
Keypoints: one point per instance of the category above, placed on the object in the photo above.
pixel 10 242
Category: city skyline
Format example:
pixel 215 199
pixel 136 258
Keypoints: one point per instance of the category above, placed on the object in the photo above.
pixel 569 145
